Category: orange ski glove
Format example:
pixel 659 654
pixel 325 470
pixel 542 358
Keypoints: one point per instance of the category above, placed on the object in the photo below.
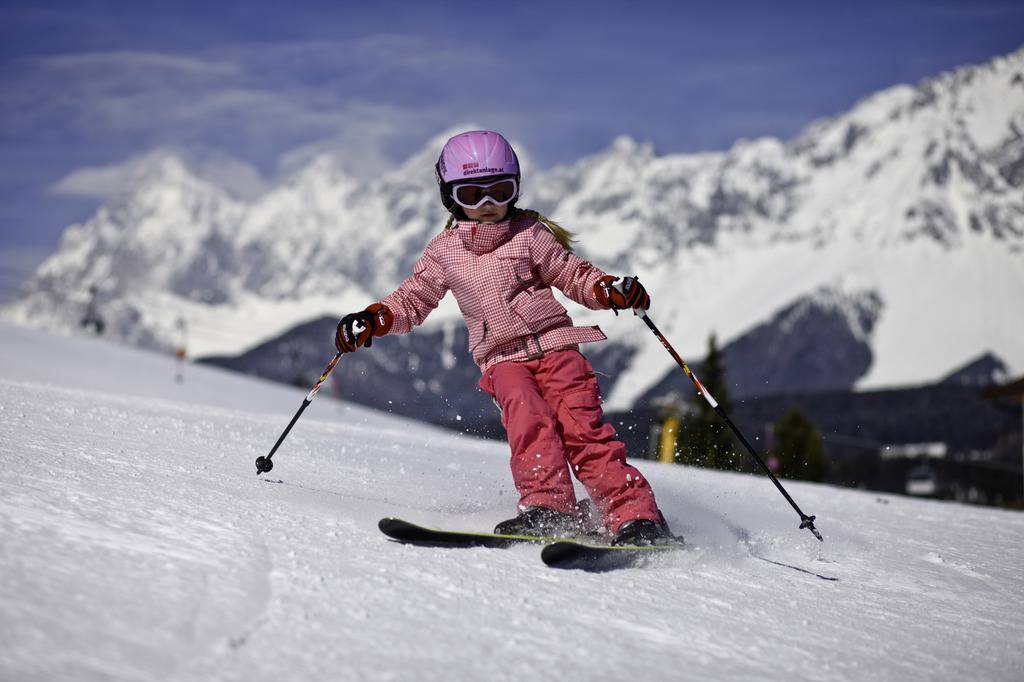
pixel 632 294
pixel 376 320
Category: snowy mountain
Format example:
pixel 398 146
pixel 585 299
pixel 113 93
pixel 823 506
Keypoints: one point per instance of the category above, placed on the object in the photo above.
pixel 819 343
pixel 137 544
pixel 912 201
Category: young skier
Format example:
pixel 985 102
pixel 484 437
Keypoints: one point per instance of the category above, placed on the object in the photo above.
pixel 500 262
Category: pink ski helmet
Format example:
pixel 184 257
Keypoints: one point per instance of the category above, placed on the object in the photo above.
pixel 476 156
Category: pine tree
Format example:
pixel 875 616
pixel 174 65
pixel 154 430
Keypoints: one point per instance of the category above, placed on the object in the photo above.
pixel 705 439
pixel 798 447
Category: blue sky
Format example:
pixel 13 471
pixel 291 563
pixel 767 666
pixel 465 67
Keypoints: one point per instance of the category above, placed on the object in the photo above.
pixel 251 89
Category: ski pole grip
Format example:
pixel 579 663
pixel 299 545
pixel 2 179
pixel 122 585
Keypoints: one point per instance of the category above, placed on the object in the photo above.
pixel 639 312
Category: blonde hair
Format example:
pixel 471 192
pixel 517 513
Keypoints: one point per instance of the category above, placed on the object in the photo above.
pixel 562 235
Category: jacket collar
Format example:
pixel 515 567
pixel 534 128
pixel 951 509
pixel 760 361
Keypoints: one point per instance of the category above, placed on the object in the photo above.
pixel 481 238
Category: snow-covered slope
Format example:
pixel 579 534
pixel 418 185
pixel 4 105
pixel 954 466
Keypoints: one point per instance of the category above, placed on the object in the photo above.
pixel 913 198
pixel 136 543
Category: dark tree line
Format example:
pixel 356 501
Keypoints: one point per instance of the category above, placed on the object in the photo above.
pixel 705 440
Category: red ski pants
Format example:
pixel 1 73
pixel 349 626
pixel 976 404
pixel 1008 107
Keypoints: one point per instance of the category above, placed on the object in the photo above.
pixel 551 410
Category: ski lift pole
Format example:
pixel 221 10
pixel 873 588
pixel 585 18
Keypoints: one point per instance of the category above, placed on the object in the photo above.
pixel 805 521
pixel 263 463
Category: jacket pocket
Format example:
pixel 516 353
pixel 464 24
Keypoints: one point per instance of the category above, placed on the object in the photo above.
pixel 477 332
pixel 519 270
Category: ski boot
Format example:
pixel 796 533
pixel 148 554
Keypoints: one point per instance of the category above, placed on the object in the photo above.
pixel 540 521
pixel 645 532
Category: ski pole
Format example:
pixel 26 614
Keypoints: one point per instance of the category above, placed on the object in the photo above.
pixel 264 463
pixel 805 521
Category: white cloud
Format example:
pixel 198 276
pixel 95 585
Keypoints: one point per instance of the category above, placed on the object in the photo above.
pixel 116 62
pixel 247 115
pixel 293 91
pixel 369 99
pixel 101 182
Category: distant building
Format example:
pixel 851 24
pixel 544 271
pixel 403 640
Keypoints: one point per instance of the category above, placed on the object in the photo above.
pixel 1012 391
pixel 945 440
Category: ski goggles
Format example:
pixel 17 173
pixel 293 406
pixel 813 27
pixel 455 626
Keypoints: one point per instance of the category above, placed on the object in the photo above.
pixel 473 195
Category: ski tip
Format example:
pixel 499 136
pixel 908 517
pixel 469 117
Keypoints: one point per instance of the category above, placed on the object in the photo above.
pixel 397 529
pixel 600 558
pixel 561 555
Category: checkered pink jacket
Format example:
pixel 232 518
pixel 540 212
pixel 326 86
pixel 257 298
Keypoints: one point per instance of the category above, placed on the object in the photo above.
pixel 501 275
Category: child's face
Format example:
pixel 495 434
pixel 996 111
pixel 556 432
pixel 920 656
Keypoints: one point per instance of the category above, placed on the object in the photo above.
pixel 488 213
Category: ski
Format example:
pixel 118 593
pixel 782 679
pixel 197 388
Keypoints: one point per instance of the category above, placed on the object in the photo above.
pixel 591 557
pixel 557 553
pixel 410 533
